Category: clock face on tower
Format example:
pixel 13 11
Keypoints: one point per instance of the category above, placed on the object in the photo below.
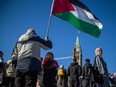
pixel 77 50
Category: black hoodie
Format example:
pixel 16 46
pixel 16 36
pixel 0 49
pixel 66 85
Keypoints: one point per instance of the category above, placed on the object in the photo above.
pixel 74 69
pixel 87 70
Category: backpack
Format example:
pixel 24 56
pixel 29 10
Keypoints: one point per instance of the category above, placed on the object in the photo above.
pixel 61 72
pixel 10 70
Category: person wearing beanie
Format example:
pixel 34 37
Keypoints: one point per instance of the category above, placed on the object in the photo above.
pixel 27 55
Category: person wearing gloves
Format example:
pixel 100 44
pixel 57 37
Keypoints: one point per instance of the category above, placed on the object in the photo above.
pixel 27 55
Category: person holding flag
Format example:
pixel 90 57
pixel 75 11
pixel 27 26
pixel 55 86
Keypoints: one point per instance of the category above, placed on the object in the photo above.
pixel 27 55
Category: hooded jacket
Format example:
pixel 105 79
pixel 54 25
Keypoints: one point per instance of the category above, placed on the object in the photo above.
pixel 74 69
pixel 87 70
pixel 27 51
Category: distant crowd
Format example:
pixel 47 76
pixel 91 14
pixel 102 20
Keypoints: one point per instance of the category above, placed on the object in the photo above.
pixel 26 68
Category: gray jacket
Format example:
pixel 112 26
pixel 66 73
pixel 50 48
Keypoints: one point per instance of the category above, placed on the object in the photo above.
pixel 27 51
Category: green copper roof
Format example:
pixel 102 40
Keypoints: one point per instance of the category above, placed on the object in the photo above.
pixel 77 44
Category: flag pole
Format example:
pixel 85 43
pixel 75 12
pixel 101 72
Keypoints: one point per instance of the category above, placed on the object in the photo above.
pixel 49 21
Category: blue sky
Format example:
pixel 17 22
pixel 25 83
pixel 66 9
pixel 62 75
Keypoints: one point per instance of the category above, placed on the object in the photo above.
pixel 16 16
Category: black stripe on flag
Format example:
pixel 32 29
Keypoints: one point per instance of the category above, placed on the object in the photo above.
pixel 81 5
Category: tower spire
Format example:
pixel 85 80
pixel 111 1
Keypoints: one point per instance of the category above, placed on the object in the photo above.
pixel 77 44
pixel 77 52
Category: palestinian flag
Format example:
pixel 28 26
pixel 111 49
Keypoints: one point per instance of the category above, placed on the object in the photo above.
pixel 77 14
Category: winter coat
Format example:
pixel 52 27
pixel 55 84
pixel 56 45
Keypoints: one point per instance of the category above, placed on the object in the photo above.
pixel 88 71
pixel 100 64
pixel 49 73
pixel 62 79
pixel 27 52
pixel 74 69
pixel 88 77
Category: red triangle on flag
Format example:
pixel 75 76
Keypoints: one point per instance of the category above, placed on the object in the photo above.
pixel 62 6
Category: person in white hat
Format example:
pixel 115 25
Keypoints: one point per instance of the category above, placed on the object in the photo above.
pixel 27 55
pixel 62 77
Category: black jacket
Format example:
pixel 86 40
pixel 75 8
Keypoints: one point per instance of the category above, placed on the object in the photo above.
pixel 74 69
pixel 87 70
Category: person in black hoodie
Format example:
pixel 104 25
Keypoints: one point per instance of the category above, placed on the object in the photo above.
pixel 74 71
pixel 87 74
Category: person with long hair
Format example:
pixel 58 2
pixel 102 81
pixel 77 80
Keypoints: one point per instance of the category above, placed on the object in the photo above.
pixel 49 70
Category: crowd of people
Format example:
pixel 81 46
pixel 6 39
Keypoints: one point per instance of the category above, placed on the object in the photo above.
pixel 26 68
